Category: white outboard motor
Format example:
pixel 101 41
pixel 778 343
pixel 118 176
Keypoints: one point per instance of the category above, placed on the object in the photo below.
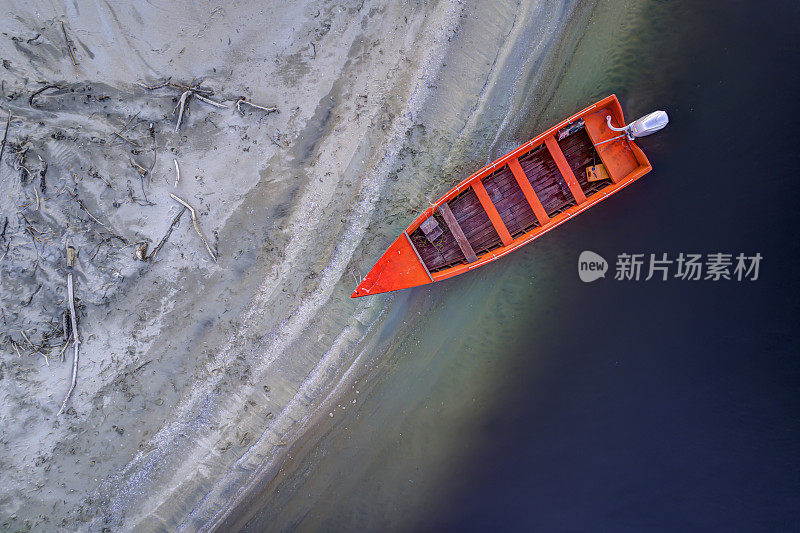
pixel 646 125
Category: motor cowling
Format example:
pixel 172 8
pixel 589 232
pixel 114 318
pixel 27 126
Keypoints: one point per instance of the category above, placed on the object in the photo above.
pixel 644 126
pixel 648 124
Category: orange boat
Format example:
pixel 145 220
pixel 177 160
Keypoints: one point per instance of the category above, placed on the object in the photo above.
pixel 517 198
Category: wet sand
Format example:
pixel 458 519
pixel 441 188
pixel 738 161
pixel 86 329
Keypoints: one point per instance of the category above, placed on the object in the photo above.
pixel 382 453
pixel 197 376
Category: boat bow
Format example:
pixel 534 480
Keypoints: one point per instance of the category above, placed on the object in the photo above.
pixel 400 267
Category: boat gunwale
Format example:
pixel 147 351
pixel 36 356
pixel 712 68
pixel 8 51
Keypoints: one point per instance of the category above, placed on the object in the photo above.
pixel 555 221
pixel 611 103
pixel 500 163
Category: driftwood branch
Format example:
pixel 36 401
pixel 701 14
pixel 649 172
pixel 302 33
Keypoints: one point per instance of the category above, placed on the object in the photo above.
pixel 204 95
pixel 169 83
pixel 210 101
pixel 166 236
pixel 141 251
pixel 242 100
pixel 74 325
pixel 196 226
pixel 152 87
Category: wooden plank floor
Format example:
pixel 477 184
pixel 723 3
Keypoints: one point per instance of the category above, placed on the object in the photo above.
pixel 474 221
pixel 580 159
pixel 442 252
pixel 458 233
pixel 508 198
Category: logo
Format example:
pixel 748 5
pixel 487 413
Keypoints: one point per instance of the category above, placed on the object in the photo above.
pixel 591 266
pixel 715 266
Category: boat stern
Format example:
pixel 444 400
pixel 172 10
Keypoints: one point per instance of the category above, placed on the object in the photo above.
pixel 399 268
pixel 620 155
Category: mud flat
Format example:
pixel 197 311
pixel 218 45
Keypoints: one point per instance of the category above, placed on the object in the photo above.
pixel 203 365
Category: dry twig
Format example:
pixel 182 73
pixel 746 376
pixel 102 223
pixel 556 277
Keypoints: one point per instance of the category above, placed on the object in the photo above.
pixel 166 236
pixel 196 226
pixel 177 173
pixel 192 87
pixel 138 201
pixel 83 206
pixel 74 324
pixel 40 91
pixel 196 89
pixel 69 49
pixel 210 101
pixel 182 105
pixel 63 348
pixel 25 336
pixel 94 174
pixel 142 174
pixel 119 132
pixel 242 100
pixel 152 87
pixel 5 136
pixel 42 174
pixel 139 168
pixel 152 131
pixel 121 136
pixel 21 151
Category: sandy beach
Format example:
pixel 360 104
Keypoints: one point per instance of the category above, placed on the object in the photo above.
pixel 202 366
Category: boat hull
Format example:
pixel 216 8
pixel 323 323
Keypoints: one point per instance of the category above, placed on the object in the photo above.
pixel 513 200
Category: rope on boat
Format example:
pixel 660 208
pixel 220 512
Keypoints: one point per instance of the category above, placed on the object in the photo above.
pixel 611 139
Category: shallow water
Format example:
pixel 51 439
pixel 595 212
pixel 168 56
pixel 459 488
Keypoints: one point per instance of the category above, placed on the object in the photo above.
pixel 519 396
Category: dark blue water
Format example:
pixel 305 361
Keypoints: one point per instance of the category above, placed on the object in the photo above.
pixel 668 405
pixel 518 397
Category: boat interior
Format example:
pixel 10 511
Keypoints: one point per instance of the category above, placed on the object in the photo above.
pixel 513 200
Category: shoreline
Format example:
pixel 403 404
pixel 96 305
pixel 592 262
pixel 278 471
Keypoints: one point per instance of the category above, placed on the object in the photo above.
pixel 271 497
pixel 198 379
pixel 215 340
